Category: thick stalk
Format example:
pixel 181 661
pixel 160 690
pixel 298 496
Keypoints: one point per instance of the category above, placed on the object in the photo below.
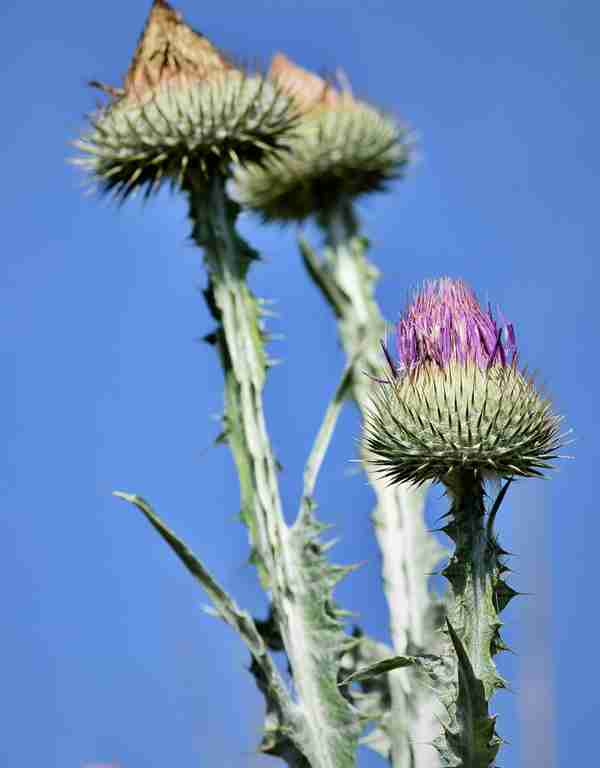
pixel 478 594
pixel 408 551
pixel 299 581
pixel 239 341
pixel 473 572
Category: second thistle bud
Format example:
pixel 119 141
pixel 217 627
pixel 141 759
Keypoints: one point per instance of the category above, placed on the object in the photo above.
pixel 340 148
pixel 454 398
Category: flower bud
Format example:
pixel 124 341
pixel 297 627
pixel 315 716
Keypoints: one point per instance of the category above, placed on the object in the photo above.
pixel 184 109
pixel 454 399
pixel 341 148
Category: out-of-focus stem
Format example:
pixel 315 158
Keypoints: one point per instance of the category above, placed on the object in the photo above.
pixel 347 279
pixel 537 696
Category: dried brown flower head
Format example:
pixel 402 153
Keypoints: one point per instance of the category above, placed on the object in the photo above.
pixel 169 50
pixel 184 110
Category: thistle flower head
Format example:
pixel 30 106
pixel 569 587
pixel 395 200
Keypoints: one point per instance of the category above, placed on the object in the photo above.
pixel 183 109
pixel 340 148
pixel 455 400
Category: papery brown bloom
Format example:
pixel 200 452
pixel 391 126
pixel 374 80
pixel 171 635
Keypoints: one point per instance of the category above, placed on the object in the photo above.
pixel 170 50
pixel 308 90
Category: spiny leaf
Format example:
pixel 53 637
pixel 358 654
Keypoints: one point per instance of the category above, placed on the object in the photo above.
pixel 283 718
pixel 334 722
pixel 226 608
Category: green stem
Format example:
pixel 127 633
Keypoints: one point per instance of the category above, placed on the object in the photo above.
pixel 478 594
pixel 473 573
pixel 290 560
pixel 240 343
pixel 347 280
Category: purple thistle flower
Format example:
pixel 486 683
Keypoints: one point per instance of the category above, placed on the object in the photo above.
pixel 456 401
pixel 446 323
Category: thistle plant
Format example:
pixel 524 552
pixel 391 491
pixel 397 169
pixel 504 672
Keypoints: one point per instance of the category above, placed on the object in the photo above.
pixel 454 408
pixel 343 149
pixel 184 115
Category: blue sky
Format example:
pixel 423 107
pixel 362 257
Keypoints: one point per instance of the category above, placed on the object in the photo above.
pixel 107 655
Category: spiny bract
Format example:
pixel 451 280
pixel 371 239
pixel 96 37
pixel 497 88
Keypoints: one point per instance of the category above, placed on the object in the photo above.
pixel 427 424
pixel 340 148
pixel 183 109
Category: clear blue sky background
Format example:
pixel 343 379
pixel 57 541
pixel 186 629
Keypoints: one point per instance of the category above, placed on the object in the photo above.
pixel 106 654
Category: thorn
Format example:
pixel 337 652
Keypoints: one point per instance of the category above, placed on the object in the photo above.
pixel 130 497
pixel 110 90
pixel 501 647
pixel 496 507
pixel 390 362
pixel 438 530
pixel 501 552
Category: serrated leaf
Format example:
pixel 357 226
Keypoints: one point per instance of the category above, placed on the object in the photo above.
pixel 224 605
pixel 334 723
pixel 280 708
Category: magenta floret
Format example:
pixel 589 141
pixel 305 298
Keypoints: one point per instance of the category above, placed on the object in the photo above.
pixel 446 323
